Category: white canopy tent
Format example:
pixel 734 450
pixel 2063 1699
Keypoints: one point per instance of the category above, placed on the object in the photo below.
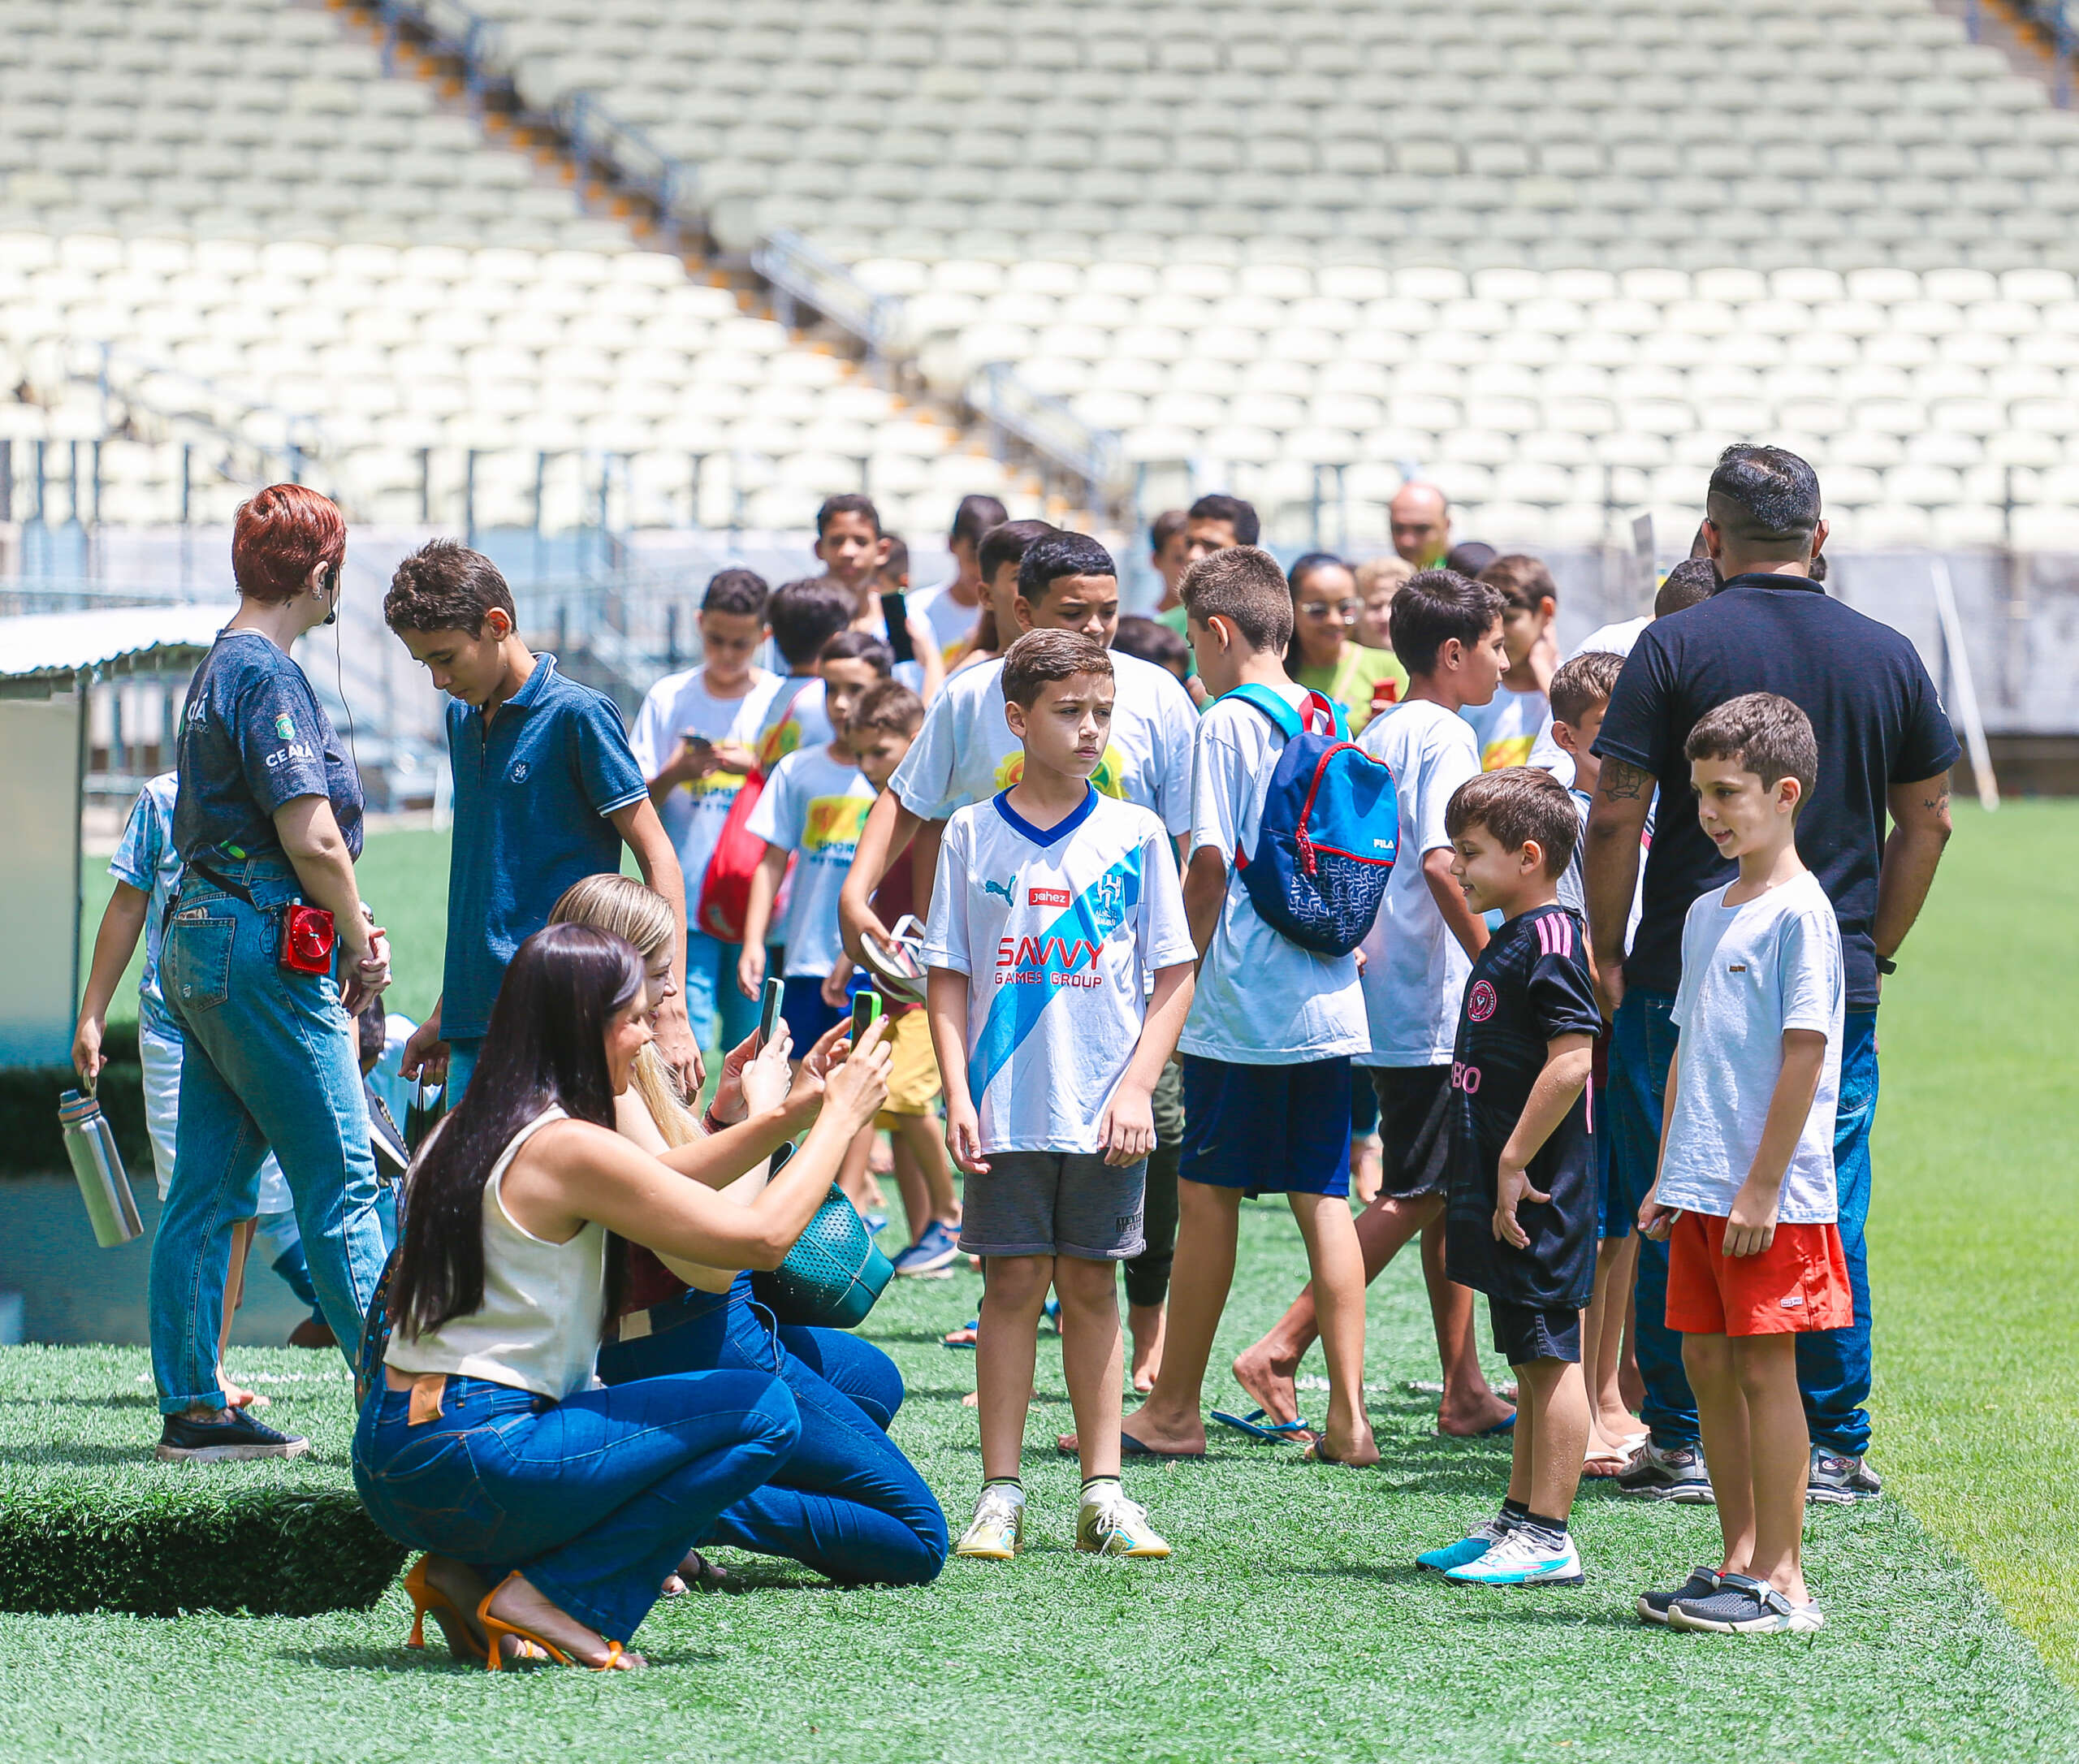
pixel 49 663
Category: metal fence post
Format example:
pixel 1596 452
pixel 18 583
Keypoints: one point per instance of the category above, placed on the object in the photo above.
pixel 469 498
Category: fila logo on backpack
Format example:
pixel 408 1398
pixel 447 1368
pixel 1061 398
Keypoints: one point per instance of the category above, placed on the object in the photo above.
pixel 1329 832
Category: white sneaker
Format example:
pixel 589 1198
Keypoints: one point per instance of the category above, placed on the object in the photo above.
pixel 1107 1524
pixel 997 1528
pixel 1519 1559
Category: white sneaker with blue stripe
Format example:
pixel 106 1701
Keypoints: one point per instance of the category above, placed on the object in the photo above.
pixel 1521 1558
pixel 1470 1548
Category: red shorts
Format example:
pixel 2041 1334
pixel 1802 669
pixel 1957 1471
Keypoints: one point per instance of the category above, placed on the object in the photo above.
pixel 1799 1282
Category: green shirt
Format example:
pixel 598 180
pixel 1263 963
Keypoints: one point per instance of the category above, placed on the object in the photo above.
pixel 1363 682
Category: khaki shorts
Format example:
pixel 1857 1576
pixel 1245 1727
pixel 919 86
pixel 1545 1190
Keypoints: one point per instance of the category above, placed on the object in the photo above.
pixel 912 1082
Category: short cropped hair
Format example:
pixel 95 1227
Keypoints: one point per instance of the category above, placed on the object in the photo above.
pixel 742 592
pixel 1582 684
pixel 1519 805
pixel 1377 573
pixel 895 567
pixel 1245 586
pixel 1047 560
pixel 1007 543
pixel 1765 499
pixel 975 516
pixel 1149 640
pixel 1238 514
pixel 1763 733
pixel 444 586
pixel 1040 656
pixel 1165 527
pixel 283 532
pixel 885 707
pixel 859 645
pixel 1469 557
pixel 850 503
pixel 1690 583
pixel 1434 606
pixel 1522 579
pixel 806 615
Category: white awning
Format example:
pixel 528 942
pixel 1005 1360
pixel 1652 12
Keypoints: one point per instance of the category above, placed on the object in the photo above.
pixel 43 653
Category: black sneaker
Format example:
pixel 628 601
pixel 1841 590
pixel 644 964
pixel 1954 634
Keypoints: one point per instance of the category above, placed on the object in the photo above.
pixel 1836 1480
pixel 1743 1606
pixel 185 1440
pixel 1701 1584
pixel 1676 1474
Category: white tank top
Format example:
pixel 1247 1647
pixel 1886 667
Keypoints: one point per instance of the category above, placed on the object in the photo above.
pixel 539 1326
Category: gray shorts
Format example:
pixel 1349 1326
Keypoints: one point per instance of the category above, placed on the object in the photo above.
pixel 1053 1203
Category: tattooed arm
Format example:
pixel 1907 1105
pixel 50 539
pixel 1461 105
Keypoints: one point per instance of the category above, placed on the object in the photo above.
pixel 1616 820
pixel 1920 828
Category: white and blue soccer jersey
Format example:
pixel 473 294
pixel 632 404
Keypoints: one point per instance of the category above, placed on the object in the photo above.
pixel 1059 932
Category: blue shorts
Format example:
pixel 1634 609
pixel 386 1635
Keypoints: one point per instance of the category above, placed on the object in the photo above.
pixel 808 1017
pixel 1268 1129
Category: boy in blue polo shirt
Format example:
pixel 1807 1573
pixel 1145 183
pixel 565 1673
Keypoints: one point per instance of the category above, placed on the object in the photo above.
pixel 547 791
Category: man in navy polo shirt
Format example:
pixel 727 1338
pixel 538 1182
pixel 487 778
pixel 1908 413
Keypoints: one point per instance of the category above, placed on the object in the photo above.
pixel 1885 746
pixel 547 792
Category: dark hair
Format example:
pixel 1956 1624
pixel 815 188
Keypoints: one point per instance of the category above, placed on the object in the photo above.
pixel 1165 527
pixel 371 1030
pixel 741 592
pixel 859 645
pixel 1522 581
pixel 444 586
pixel 1040 656
pixel 889 706
pixel 546 1045
pixel 1519 805
pixel 1295 578
pixel 1762 733
pixel 806 615
pixel 975 516
pixel 1765 499
pixel 1151 641
pixel 280 535
pixel 1245 587
pixel 1434 606
pixel 1047 560
pixel 1238 514
pixel 850 503
pixel 895 567
pixel 1470 556
pixel 1690 583
pixel 1007 543
pixel 1580 684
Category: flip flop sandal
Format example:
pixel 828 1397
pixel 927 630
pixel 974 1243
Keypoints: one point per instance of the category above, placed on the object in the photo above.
pixel 1500 1429
pixel 1257 1425
pixel 969 1327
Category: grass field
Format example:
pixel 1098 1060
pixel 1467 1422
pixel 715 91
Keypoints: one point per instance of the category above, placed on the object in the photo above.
pixel 1290 1623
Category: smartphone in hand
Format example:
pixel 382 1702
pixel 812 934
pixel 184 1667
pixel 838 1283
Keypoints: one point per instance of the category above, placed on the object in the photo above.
pixel 768 1011
pixel 866 1013
pixel 895 620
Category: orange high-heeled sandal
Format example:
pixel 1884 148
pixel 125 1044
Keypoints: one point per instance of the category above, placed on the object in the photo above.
pixel 495 1627
pixel 454 1625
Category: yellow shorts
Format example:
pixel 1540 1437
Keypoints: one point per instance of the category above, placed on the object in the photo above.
pixel 913 1084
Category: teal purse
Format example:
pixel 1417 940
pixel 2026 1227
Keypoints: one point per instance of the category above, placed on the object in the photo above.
pixel 832 1275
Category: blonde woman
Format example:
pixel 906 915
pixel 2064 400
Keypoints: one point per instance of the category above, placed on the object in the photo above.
pixel 847 1502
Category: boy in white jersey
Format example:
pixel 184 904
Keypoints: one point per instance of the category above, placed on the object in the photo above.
pixel 1053 906
pixel 1509 723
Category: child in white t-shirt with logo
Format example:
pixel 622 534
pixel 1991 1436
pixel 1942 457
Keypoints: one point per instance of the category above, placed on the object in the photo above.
pixel 1508 724
pixel 1053 906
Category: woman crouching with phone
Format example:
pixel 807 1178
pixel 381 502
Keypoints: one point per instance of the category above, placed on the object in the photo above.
pixel 848 1504
pixel 552 1509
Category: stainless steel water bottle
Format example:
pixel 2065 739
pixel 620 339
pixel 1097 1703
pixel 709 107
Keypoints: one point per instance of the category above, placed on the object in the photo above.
pixel 111 1208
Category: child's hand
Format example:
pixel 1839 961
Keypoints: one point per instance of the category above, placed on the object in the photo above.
pixel 751 970
pixel 425 1054
pixel 1655 1221
pixel 1751 1226
pixel 87 1058
pixel 963 1136
pixel 1512 1188
pixel 834 985
pixel 1126 1131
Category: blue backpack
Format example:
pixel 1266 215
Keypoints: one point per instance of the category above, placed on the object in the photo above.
pixel 1330 829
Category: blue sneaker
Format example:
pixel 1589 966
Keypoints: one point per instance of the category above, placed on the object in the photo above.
pixel 937 1248
pixel 1520 1559
pixel 876 1223
pixel 1470 1548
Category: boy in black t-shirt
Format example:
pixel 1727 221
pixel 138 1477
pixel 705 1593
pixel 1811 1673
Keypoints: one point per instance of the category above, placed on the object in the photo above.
pixel 1521 1222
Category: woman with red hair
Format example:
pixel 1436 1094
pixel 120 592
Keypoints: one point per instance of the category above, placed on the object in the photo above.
pixel 268 953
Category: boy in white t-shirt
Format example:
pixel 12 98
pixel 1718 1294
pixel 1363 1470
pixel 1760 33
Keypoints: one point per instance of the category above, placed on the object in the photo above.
pixel 1745 1195
pixel 1509 723
pixel 1054 907
pixel 1267 1046
pixel 950 610
pixel 804 615
pixel 695 739
pixel 1447 631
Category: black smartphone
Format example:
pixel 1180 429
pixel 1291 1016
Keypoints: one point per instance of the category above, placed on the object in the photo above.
pixel 866 1013
pixel 895 618
pixel 768 1011
pixel 702 747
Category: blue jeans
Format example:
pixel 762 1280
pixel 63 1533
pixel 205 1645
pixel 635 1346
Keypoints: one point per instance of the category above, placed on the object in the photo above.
pixel 719 1014
pixel 1833 1365
pixel 270 1062
pixel 848 1504
pixel 595 1499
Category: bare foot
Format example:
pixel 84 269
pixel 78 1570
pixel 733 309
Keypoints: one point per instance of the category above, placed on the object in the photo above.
pixel 973 1400
pixel 1267 1376
pixel 966 1336
pixel 465 1591
pixel 1184 1438
pixel 1469 1420
pixel 696 1574
pixel 1360 1452
pixel 1145 1322
pixel 517 1601
pixel 236 1396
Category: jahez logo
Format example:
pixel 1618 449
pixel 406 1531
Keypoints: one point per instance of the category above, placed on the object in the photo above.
pixel 1046 896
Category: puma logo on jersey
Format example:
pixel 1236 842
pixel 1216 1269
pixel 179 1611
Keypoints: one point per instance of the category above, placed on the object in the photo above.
pixel 998 888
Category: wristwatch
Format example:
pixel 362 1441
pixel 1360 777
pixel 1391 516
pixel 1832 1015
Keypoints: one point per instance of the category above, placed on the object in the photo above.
pixel 1886 965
